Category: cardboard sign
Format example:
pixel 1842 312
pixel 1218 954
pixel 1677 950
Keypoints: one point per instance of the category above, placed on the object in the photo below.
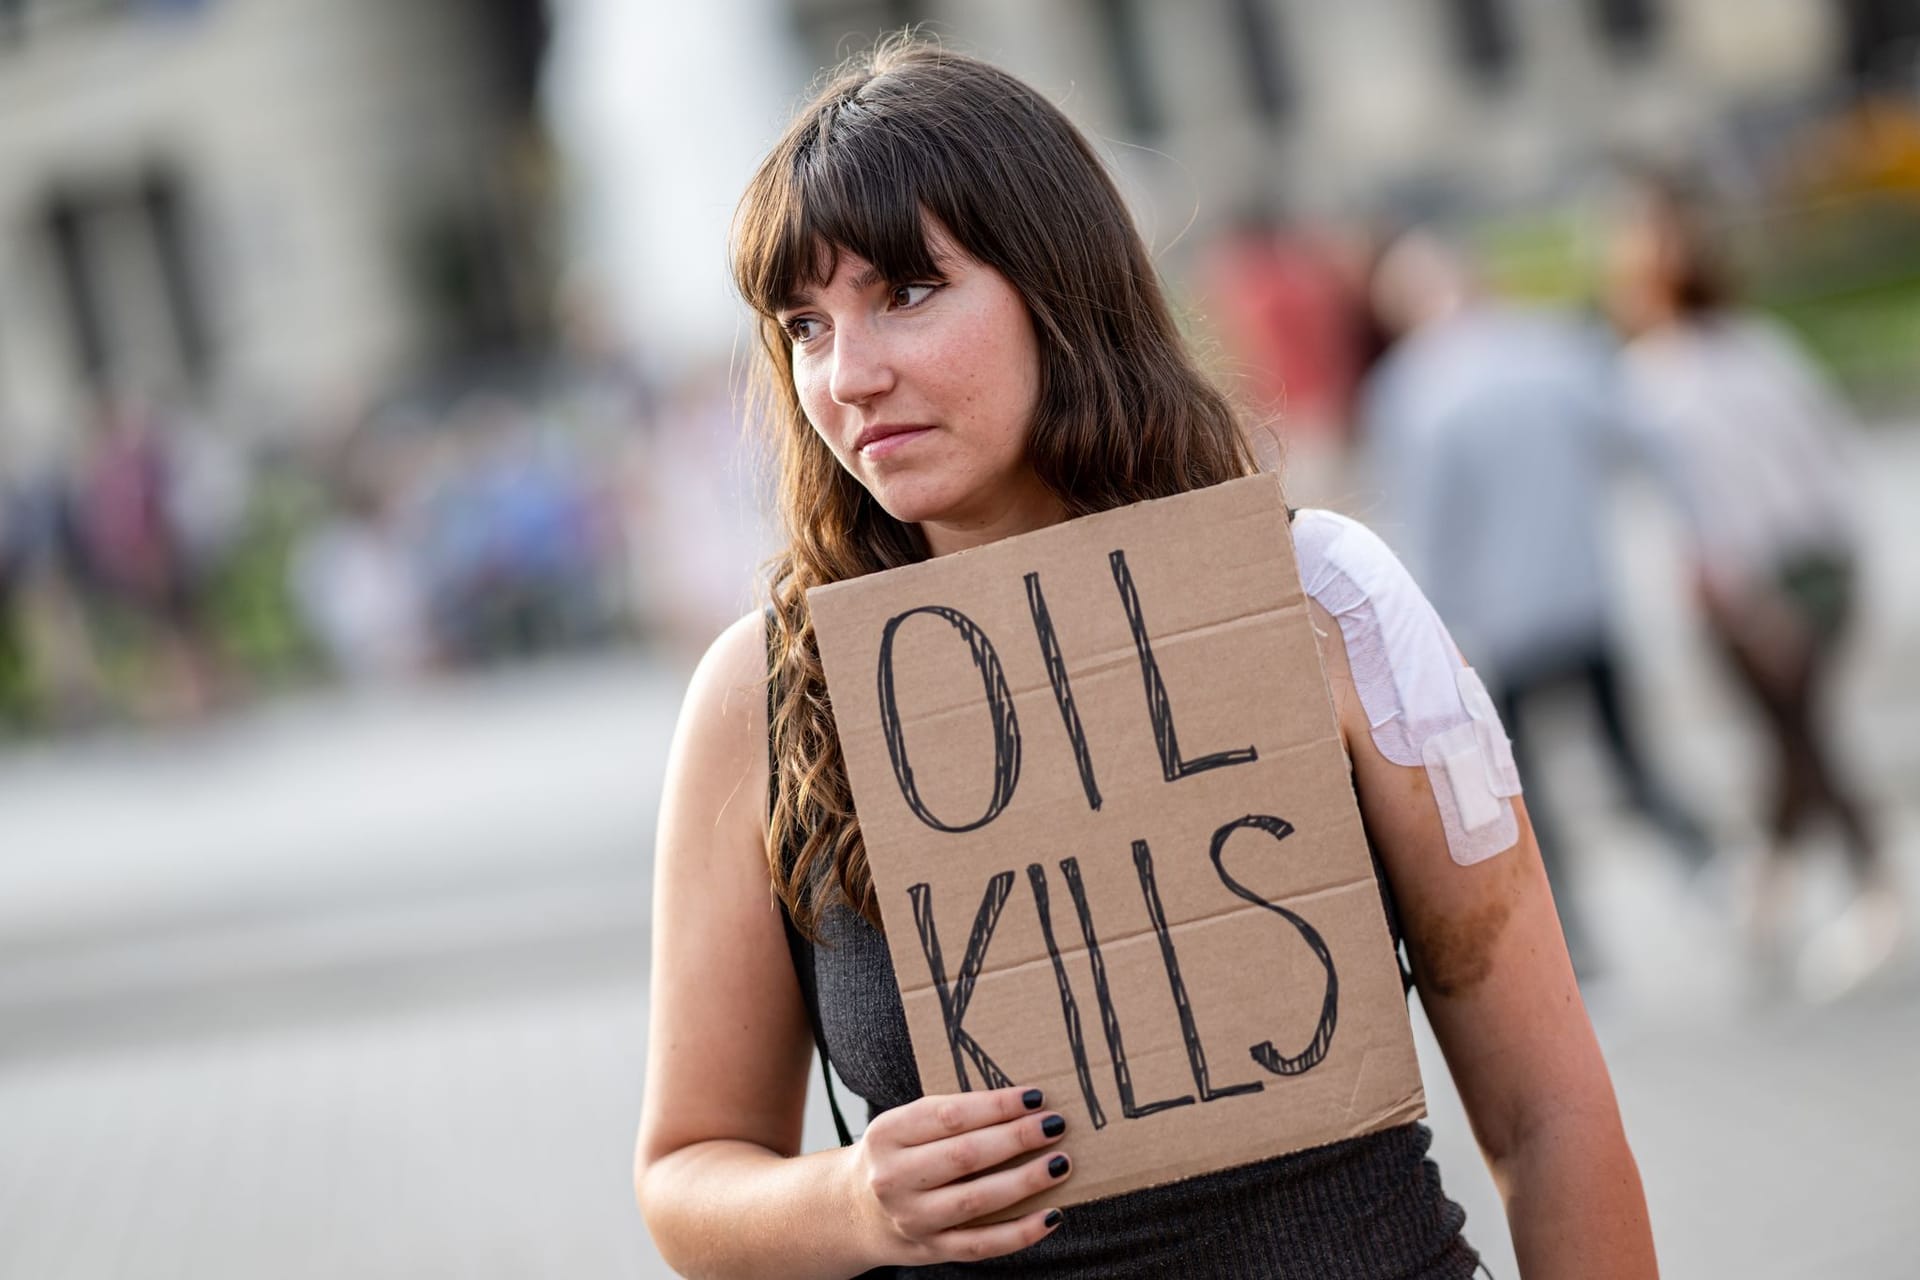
pixel 1114 837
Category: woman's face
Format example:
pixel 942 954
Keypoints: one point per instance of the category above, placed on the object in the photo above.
pixel 1638 269
pixel 925 391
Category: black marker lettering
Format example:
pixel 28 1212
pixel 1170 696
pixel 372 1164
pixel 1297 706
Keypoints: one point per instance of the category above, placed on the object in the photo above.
pixel 1159 704
pixel 1264 1053
pixel 1062 690
pixel 1109 1020
pixel 954 1002
pixel 1069 1008
pixel 1006 726
pixel 1189 1030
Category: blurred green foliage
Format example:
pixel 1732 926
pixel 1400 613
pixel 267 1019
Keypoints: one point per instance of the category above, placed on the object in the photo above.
pixel 1842 273
pixel 250 609
pixel 245 618
pixel 16 692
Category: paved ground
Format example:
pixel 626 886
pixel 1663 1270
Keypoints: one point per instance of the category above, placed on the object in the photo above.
pixel 357 986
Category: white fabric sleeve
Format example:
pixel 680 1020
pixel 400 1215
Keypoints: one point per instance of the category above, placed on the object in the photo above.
pixel 1424 708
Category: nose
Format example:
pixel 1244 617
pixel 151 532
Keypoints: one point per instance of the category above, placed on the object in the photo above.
pixel 862 366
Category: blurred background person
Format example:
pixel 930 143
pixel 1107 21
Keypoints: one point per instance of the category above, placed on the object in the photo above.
pixel 695 512
pixel 131 505
pixel 59 681
pixel 1756 449
pixel 1492 433
pixel 1294 328
pixel 14 705
pixel 513 532
pixel 351 575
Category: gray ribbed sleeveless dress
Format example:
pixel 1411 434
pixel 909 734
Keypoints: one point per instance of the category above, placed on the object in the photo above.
pixel 1368 1208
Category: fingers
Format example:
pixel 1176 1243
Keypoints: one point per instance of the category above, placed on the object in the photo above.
pixel 963 1202
pixel 940 1163
pixel 935 1164
pixel 971 1244
pixel 947 1115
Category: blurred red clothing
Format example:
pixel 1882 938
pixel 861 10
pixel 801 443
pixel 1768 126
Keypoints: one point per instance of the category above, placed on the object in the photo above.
pixel 121 505
pixel 1291 321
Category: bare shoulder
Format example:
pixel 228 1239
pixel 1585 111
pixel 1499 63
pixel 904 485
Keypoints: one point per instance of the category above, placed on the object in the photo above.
pixel 721 740
pixel 731 678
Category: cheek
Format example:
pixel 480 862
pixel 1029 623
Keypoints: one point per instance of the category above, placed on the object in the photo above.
pixel 807 388
pixel 810 389
pixel 1016 364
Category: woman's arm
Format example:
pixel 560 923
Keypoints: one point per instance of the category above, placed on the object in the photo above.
pixel 727 1043
pixel 1494 978
pixel 716 1170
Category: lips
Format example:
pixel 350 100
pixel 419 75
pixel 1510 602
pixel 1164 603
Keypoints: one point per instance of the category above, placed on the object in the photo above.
pixel 883 438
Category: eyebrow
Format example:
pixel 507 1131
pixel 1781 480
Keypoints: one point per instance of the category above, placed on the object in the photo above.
pixel 859 284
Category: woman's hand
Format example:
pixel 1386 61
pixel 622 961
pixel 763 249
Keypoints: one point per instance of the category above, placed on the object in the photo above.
pixel 920 1170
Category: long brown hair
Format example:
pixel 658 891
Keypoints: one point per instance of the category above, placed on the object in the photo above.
pixel 903 133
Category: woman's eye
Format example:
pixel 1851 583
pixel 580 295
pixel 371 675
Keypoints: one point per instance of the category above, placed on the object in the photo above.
pixel 801 328
pixel 910 295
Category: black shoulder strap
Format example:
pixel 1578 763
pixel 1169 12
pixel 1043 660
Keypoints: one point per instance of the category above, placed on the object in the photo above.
pixel 1401 956
pixel 798 944
pixel 802 952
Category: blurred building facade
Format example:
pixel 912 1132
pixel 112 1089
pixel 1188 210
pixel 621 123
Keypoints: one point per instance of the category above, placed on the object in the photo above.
pixel 257 207
pixel 1218 110
pixel 1325 108
pixel 294 202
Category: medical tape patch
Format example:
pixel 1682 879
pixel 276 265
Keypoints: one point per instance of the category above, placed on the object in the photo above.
pixel 1423 707
pixel 1473 775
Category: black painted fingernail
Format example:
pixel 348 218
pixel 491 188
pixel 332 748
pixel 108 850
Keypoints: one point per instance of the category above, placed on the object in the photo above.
pixel 1054 1126
pixel 1052 1219
pixel 1033 1098
pixel 1057 1166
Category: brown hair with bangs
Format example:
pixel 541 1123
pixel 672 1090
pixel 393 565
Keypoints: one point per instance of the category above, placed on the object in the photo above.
pixel 905 133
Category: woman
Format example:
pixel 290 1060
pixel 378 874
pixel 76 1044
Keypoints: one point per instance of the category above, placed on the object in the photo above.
pixel 1749 438
pixel 965 339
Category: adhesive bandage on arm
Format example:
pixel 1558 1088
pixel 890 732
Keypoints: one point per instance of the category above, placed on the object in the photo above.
pixel 1423 707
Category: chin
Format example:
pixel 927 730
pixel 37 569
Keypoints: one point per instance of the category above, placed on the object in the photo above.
pixel 912 501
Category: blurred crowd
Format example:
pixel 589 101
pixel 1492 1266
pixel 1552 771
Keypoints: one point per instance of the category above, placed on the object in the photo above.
pixel 1488 435
pixel 169 566
pixel 164 569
